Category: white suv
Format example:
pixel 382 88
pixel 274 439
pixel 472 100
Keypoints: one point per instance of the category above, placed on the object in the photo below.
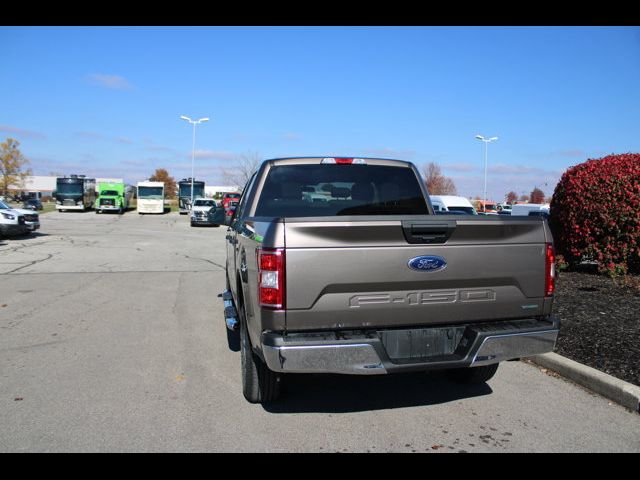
pixel 12 222
pixel 205 212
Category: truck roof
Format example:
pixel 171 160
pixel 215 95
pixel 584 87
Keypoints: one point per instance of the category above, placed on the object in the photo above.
pixel 317 160
pixel 150 184
pixel 451 200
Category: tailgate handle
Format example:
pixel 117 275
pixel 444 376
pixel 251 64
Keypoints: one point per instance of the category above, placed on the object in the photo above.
pixel 440 232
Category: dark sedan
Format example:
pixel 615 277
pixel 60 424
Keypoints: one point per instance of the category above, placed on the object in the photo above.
pixel 32 204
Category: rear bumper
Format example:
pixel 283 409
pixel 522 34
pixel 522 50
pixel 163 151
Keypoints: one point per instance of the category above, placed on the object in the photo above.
pixel 69 207
pixel 365 352
pixel 202 221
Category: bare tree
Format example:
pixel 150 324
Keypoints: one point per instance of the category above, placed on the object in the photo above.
pixel 240 171
pixel 537 196
pixel 438 184
pixel 511 197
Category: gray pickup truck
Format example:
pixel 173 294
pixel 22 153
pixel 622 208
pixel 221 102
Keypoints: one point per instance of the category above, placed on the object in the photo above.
pixel 339 265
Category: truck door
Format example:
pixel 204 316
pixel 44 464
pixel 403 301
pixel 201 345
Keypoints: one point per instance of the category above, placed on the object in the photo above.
pixel 233 247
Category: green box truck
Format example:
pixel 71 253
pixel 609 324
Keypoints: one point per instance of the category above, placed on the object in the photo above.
pixel 113 197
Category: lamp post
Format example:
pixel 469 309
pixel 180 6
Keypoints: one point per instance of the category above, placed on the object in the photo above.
pixel 486 141
pixel 193 149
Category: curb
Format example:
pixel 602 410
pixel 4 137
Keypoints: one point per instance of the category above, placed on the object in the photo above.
pixel 621 392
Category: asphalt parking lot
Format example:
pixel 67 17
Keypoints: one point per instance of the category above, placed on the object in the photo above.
pixel 112 339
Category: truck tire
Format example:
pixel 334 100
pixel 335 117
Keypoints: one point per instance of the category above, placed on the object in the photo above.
pixel 259 384
pixel 473 375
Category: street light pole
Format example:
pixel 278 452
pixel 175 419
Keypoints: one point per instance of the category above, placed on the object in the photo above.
pixel 486 141
pixel 193 148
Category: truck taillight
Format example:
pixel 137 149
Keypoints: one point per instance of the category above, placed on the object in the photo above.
pixel 343 161
pixel 550 271
pixel 271 278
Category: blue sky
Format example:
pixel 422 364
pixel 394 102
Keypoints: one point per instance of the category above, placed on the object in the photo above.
pixel 106 101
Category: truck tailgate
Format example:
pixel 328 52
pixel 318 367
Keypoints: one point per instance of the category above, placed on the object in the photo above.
pixel 354 273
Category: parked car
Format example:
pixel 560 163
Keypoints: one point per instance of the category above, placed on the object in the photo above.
pixel 539 213
pixel 444 203
pixel 453 212
pixel 488 207
pixel 205 212
pixel 526 208
pixel 504 209
pixel 228 214
pixel 371 282
pixel 12 221
pixel 229 197
pixel 32 204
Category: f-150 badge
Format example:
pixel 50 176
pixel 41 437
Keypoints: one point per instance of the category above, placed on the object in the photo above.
pixel 427 263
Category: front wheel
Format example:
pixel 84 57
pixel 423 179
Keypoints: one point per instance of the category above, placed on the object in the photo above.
pixel 473 375
pixel 259 384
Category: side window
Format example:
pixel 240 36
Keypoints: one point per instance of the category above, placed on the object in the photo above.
pixel 245 194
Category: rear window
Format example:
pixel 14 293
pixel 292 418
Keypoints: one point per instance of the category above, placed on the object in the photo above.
pixel 329 190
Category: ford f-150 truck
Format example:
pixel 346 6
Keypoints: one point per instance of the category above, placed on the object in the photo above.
pixel 365 279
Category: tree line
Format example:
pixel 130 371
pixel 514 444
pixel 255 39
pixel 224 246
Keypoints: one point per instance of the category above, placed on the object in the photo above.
pixel 439 184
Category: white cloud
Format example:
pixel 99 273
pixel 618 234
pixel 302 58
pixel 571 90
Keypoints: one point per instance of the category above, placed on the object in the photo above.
pixel 213 155
pixel 290 136
pixel 21 132
pixel 113 82
pixel 459 167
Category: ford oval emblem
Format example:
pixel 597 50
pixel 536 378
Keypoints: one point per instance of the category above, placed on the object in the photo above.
pixel 427 263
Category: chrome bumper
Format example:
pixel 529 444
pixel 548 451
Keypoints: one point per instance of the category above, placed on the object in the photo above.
pixel 69 207
pixel 365 354
pixel 355 359
pixel 507 347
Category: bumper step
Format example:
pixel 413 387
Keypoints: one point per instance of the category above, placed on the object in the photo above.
pixel 230 313
pixel 368 353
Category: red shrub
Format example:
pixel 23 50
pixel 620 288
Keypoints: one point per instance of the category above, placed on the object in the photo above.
pixel 595 213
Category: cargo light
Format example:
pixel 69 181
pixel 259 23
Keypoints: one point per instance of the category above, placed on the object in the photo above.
pixel 550 271
pixel 271 273
pixel 343 161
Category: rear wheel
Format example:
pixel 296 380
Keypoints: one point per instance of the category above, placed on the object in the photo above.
pixel 473 375
pixel 259 384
